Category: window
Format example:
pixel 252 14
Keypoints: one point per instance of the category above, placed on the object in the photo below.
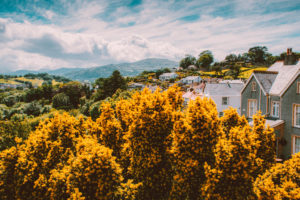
pixel 253 86
pixel 225 100
pixel 295 144
pixel 275 109
pixel 221 114
pixel 298 87
pixel 296 115
pixel 252 107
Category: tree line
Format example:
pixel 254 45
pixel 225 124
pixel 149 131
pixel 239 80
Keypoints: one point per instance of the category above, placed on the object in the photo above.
pixel 257 55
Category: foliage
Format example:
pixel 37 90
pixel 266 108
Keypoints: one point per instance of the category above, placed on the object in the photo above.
pixel 195 135
pixel 149 124
pixel 108 86
pixel 239 158
pixel 282 181
pixel 59 161
pixel 33 108
pixel 73 91
pixel 10 130
pixel 205 59
pixel 259 54
pixel 61 101
pixel 187 61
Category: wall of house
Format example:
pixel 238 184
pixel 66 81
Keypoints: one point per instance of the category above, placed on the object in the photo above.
pixel 289 98
pixel 249 94
pixel 234 101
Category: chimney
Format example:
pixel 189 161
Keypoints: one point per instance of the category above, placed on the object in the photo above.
pixel 290 58
pixel 289 51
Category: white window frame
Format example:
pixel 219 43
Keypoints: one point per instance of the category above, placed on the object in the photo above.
pixel 248 108
pixel 227 100
pixel 253 86
pixel 294 138
pixel 295 106
pixel 275 104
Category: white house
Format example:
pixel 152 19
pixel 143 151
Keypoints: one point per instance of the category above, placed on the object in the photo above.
pixel 190 95
pixel 225 95
pixel 136 86
pixel 190 80
pixel 168 76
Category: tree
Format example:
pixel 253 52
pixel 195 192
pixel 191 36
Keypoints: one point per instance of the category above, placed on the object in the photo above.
pixel 73 90
pixel 282 181
pixel 258 54
pixel 187 61
pixel 231 58
pixel 107 87
pixel 61 101
pixel 195 135
pixel 205 59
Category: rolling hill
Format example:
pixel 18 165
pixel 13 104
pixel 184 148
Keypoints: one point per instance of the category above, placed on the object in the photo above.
pixel 126 69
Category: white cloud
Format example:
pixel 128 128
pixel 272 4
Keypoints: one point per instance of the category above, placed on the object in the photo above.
pixel 81 38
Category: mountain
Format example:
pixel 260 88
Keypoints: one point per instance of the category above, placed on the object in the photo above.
pixel 126 69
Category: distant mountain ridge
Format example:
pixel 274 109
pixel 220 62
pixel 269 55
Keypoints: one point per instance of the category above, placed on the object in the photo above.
pixel 126 69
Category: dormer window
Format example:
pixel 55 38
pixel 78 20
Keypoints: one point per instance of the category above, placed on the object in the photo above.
pixel 253 86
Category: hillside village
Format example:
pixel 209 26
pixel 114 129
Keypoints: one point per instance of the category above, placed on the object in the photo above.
pixel 273 92
pixel 169 120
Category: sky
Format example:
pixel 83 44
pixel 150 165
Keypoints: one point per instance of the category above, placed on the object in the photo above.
pixel 50 34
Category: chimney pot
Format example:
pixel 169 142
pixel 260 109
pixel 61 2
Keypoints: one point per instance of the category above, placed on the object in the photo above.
pixel 289 51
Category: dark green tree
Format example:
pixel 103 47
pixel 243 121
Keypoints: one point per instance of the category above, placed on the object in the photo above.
pixel 187 61
pixel 108 86
pixel 205 59
pixel 258 54
pixel 61 101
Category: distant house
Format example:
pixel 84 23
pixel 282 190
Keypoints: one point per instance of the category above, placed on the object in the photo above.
pixel 136 86
pixel 225 95
pixel 190 80
pixel 276 93
pixel 190 95
pixel 167 76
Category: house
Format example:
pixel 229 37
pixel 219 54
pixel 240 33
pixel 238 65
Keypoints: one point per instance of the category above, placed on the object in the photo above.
pixel 136 86
pixel 191 80
pixel 190 95
pixel 276 93
pixel 168 76
pixel 225 95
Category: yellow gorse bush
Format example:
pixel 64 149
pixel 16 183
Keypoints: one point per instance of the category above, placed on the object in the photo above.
pixel 145 147
pixel 280 182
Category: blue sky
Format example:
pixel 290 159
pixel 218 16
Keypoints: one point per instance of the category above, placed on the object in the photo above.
pixel 37 34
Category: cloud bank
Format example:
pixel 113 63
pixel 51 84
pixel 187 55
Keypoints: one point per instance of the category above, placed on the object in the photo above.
pixel 44 34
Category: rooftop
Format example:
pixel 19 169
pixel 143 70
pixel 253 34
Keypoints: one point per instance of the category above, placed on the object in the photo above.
pixel 223 89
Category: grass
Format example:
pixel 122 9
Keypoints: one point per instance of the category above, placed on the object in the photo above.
pixel 245 72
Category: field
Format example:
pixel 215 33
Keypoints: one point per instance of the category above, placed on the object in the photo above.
pixel 35 82
pixel 245 72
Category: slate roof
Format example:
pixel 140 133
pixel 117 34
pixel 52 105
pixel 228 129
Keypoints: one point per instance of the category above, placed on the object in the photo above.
pixel 223 89
pixel 266 79
pixel 286 73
